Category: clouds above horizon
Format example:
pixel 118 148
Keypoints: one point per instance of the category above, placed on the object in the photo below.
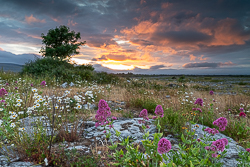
pixel 140 35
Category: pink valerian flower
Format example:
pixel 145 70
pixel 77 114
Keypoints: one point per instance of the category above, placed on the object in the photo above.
pixel 213 100
pixel 242 114
pixel 7 84
pixel 114 118
pixel 15 81
pixel 198 139
pixel 221 123
pixel 3 92
pixel 210 148
pixel 144 114
pixel 164 146
pixel 241 109
pixel 111 126
pixel 31 85
pixel 102 113
pixel 211 92
pixel 159 111
pixel 141 121
pixel 2 101
pixel 248 150
pixel 104 131
pixel 229 109
pixel 199 101
pixel 211 131
pixel 220 144
pixel 43 83
pixel 196 109
pixel 214 155
pixel 147 127
pixel 16 87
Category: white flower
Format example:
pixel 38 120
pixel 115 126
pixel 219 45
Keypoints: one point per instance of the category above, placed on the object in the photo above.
pixel 13 116
pixel 45 103
pixel 78 106
pixel 29 112
pixel 34 90
pixel 12 112
pixel 46 162
pixel 12 125
pixel 37 105
pixel 18 104
pixel 1 109
pixel 56 107
pixel 59 100
pixel 19 100
pixel 21 129
pixel 20 112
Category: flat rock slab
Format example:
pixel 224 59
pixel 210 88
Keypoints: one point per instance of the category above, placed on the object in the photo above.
pixel 129 127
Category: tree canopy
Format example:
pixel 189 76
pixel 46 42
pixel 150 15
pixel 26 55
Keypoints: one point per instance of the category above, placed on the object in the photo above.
pixel 61 43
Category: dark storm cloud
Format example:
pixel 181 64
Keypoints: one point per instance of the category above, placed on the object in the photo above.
pixel 207 65
pixel 156 67
pixel 141 42
pixel 103 57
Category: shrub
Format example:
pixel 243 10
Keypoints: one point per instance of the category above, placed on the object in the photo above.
pixel 59 69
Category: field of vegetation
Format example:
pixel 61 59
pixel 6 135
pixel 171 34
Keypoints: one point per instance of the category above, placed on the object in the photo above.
pixel 175 102
pixel 56 113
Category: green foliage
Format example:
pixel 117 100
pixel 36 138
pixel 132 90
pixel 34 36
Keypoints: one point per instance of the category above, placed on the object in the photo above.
pixel 58 69
pixel 143 103
pixel 61 43
pixel 104 78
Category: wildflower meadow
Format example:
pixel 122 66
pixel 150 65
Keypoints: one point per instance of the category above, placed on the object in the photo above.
pixel 43 120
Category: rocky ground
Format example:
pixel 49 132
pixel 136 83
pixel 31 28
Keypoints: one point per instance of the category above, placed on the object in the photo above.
pixel 92 137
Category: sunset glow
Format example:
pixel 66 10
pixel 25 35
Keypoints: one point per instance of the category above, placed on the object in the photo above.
pixel 156 37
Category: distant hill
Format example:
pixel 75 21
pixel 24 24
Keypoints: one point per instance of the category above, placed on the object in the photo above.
pixel 11 67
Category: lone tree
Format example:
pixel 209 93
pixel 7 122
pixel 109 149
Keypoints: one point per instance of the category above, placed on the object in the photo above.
pixel 60 43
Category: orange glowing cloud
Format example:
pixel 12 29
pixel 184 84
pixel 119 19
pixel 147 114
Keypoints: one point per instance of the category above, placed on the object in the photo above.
pixel 32 19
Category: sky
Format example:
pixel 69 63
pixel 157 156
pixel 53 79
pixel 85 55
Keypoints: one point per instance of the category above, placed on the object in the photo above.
pixel 138 36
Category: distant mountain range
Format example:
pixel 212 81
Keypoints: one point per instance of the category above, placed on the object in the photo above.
pixel 11 67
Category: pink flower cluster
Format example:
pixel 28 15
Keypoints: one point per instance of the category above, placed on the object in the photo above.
pixel 102 113
pixel 159 111
pixel 144 114
pixel 211 131
pixel 3 92
pixel 242 114
pixel 196 109
pixel 218 145
pixel 164 146
pixel 248 150
pixel 199 101
pixel 241 109
pixel 221 123
pixel 43 83
pixel 211 92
